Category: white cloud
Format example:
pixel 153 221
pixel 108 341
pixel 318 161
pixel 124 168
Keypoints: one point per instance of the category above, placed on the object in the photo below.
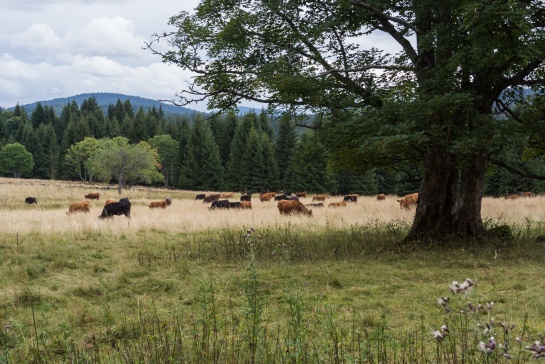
pixel 39 38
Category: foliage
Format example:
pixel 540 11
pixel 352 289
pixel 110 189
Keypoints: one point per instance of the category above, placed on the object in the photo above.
pixel 15 159
pixel 168 150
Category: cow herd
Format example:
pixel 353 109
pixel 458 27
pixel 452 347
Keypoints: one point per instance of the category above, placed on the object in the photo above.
pixel 111 207
pixel 287 203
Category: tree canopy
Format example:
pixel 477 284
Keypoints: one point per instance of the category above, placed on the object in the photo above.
pixel 431 103
pixel 15 159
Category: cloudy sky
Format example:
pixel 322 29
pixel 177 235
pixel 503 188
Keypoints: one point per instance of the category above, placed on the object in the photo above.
pixel 61 48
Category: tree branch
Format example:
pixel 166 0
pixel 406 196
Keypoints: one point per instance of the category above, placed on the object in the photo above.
pixel 515 170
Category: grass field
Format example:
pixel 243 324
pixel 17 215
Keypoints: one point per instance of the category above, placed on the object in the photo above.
pixel 186 284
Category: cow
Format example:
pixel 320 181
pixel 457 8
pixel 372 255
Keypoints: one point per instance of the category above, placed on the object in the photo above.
pixel 227 195
pixel 246 205
pixel 79 207
pixel 381 196
pixel 287 207
pixel 319 198
pixel 31 200
pixel 528 194
pixel 337 204
pixel 350 198
pixel 286 197
pixel 200 196
pixel 407 201
pixel 246 197
pixel 219 204
pixel 160 204
pixel 211 198
pixel 511 197
pixel 319 204
pixel 267 196
pixel 301 194
pixel 123 207
pixel 109 201
pixel 92 196
pixel 234 205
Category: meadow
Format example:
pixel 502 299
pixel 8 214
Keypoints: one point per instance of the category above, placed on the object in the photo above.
pixel 187 284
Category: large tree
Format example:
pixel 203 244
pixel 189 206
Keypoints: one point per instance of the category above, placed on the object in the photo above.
pixel 431 101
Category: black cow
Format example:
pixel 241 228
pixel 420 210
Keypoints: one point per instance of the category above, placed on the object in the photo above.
pixel 234 205
pixel 200 196
pixel 320 204
pixel 31 200
pixel 351 198
pixel 123 207
pixel 247 197
pixel 219 204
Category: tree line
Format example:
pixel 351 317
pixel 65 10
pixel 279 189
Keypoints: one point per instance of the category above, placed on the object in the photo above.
pixel 253 152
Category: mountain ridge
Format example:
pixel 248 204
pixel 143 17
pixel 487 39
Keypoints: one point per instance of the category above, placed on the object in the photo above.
pixel 104 99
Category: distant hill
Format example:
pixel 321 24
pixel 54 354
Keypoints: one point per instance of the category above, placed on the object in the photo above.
pixel 104 99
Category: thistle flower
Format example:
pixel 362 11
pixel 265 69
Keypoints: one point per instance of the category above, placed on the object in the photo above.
pixel 487 347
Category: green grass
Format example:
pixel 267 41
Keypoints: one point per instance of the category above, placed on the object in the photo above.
pixel 275 295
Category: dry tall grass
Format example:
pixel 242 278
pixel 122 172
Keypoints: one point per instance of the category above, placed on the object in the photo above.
pixel 189 215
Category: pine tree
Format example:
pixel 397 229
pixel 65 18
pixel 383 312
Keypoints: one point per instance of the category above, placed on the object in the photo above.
pixel 38 115
pixel 237 163
pixel 285 147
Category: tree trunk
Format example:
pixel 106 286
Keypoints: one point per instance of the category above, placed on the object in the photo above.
pixel 450 197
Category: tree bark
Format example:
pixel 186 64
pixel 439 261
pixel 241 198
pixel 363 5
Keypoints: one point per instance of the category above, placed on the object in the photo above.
pixel 450 197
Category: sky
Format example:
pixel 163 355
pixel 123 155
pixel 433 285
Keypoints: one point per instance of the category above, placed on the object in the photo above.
pixel 61 48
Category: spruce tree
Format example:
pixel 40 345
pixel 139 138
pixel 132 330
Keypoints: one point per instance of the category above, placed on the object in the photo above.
pixel 285 147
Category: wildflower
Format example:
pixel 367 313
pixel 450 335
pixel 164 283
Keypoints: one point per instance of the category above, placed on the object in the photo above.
pixel 537 349
pixel 438 336
pixel 454 287
pixel 443 301
pixel 444 329
pixel 489 305
pixel 488 347
pixel 464 287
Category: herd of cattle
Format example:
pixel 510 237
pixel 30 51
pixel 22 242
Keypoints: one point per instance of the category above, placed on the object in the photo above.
pixel 287 203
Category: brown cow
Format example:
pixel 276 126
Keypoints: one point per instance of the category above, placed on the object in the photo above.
pixel 227 195
pixel 160 204
pixel 211 198
pixel 511 197
pixel 109 201
pixel 287 207
pixel 93 196
pixel 266 196
pixel 407 201
pixel 246 205
pixel 301 194
pixel 337 204
pixel 381 196
pixel 528 194
pixel 319 198
pixel 79 207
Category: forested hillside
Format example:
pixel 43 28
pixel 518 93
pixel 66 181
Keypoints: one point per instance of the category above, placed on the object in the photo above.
pixel 250 152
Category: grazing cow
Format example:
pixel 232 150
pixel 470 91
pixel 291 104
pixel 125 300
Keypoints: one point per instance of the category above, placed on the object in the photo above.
pixel 350 198
pixel 247 197
pixel 381 196
pixel 200 196
pixel 528 194
pixel 219 204
pixel 109 201
pixel 511 197
pixel 160 204
pixel 79 207
pixel 246 205
pixel 337 204
pixel 286 197
pixel 267 196
pixel 31 200
pixel 287 207
pixel 211 198
pixel 93 196
pixel 227 195
pixel 301 194
pixel 319 204
pixel 234 205
pixel 123 207
pixel 407 201
pixel 319 198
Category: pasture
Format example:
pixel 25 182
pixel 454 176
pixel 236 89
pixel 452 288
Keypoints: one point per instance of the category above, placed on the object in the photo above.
pixel 253 285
